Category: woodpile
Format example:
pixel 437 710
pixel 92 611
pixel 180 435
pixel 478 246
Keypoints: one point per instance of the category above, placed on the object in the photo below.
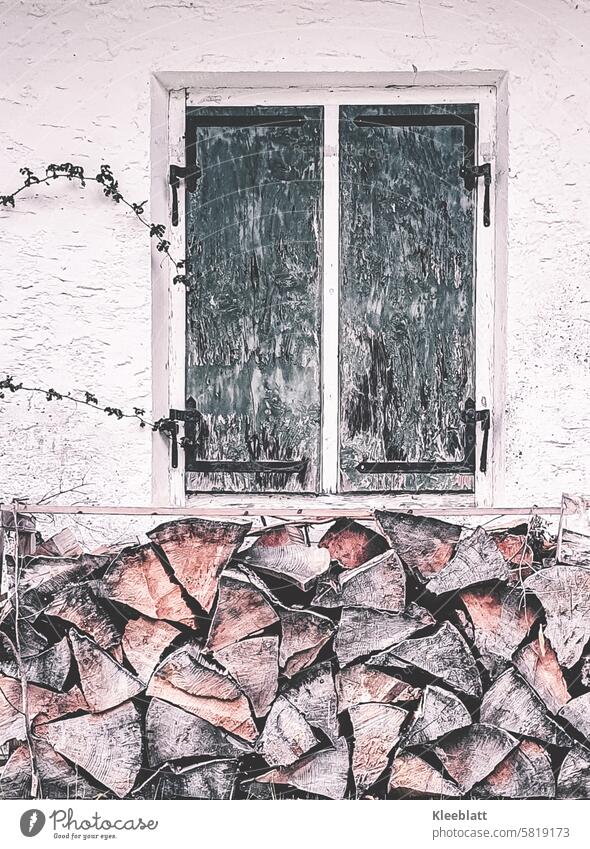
pixel 406 658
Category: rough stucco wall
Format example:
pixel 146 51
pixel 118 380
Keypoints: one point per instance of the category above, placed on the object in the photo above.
pixel 75 282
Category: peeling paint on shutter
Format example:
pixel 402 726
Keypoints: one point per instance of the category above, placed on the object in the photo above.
pixel 253 307
pixel 407 341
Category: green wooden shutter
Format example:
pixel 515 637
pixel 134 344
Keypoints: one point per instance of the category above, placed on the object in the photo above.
pixel 407 340
pixel 253 231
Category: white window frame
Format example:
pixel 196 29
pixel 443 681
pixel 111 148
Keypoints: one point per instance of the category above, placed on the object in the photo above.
pixel 171 95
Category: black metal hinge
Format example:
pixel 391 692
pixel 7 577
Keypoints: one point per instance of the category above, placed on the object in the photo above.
pixel 466 466
pixel 177 173
pixel 471 174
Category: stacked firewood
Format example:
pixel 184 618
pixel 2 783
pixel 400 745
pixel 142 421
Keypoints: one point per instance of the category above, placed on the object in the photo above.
pixel 414 658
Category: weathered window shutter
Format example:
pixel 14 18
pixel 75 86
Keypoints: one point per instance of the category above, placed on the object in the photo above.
pixel 253 235
pixel 407 335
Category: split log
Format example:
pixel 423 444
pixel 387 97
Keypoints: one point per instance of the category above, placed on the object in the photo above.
pixel 57 778
pixel 360 684
pixel 45 576
pixel 471 754
pixel 575 547
pixel 362 631
pixel 379 584
pixel 207 780
pixel 61 544
pixel 424 545
pixel 304 634
pixel 81 607
pixel 513 705
pixel 525 774
pixel 187 680
pixel 300 565
pixel 313 693
pixel 351 544
pixel 538 665
pixel 198 550
pixel 49 668
pixel 415 777
pixel 577 713
pixel 285 533
pixel 376 730
pixel 143 642
pixel 514 549
pixel 254 664
pixel 563 590
pixel 501 618
pixel 104 682
pixel 241 609
pixel 324 773
pixel 287 735
pixel 440 712
pixel 444 655
pixel 106 745
pixel 41 703
pixel 476 560
pixel 574 776
pixel 138 579
pixel 171 734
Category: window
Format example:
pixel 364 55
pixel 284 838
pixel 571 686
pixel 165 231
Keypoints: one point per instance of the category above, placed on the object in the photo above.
pixel 337 335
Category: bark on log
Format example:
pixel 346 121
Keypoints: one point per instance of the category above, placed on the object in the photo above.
pixel 324 773
pixel 198 550
pixel 439 713
pixel 351 544
pixel 106 745
pixel 104 682
pixel 363 632
pixel 415 777
pixel 143 642
pixel 187 680
pixel 171 734
pixel 300 565
pixel 360 684
pixel 380 584
pixel 575 547
pixel 376 730
pixel 254 664
pixel 501 618
pixel 574 776
pixel 49 668
pixel 304 634
pixel 241 609
pixel 424 545
pixel 57 778
pixel 444 655
pixel 80 606
pixel 207 780
pixel 512 704
pixel 471 754
pixel 564 590
pixel 476 560
pixel 287 735
pixel 525 774
pixel 538 665
pixel 138 579
pixel 313 693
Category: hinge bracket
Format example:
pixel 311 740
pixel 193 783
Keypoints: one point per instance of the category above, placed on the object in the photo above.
pixel 178 173
pixel 471 174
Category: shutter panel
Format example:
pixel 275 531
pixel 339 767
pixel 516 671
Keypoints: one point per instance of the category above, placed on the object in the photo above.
pixel 254 227
pixel 407 342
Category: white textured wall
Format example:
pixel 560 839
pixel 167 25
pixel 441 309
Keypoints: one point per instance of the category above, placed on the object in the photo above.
pixel 75 283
